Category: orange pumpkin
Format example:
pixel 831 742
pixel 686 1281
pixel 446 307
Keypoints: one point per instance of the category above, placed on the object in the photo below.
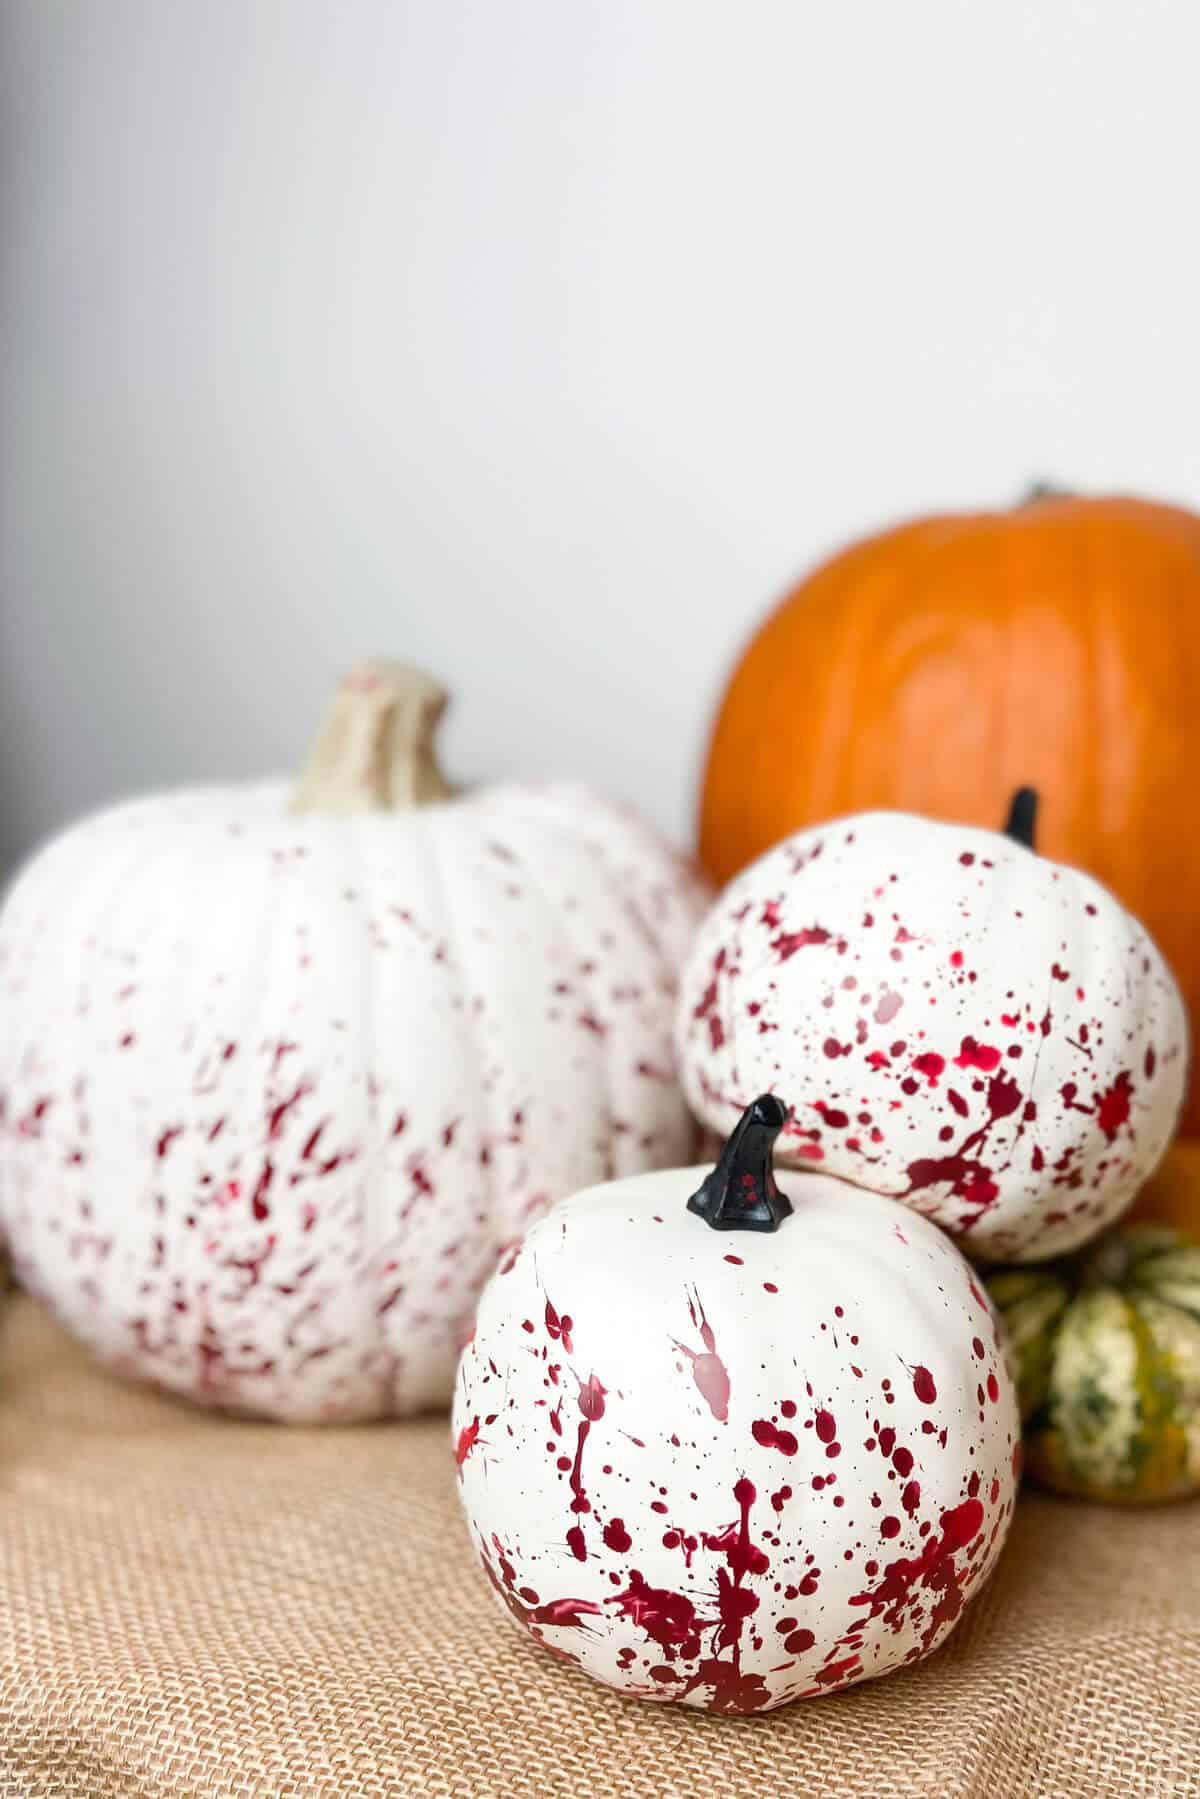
pixel 939 666
pixel 1172 1194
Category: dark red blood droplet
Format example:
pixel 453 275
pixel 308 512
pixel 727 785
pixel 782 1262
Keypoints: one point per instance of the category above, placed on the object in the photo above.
pixel 1112 1107
pixel 764 1432
pixel 923 1385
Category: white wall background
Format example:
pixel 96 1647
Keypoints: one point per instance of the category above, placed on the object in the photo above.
pixel 542 341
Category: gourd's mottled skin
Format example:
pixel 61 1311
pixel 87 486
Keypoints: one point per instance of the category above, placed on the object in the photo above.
pixel 276 1090
pixel 955 1021
pixel 730 1468
pixel 1107 1354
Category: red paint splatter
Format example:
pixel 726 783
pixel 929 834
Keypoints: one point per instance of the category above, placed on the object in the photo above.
pixel 788 942
pixel 977 1055
pixel 931 1065
pixel 968 1179
pixel 616 1536
pixel 923 1385
pixel 258 1199
pixel 166 1138
pixel 708 1370
pixel 668 1619
pixel 1003 1096
pixel 313 1138
pixel 708 1000
pixel 770 1437
pixel 1112 1106
pixel 591 1404
pixel 576 1543
pixel 277 1113
pixel 934 1571
pixel 525 1605
pixel 591 1399
pixel 467 1439
pixel 825 1425
pixel 560 1328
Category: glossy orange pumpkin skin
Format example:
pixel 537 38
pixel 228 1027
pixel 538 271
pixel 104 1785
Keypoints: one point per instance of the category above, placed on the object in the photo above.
pixel 938 666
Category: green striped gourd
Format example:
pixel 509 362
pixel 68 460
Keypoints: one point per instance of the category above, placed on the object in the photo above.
pixel 1105 1348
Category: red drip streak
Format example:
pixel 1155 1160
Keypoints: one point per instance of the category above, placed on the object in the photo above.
pixel 708 1370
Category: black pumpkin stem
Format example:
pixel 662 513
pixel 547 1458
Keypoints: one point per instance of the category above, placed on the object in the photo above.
pixel 1022 816
pixel 1044 490
pixel 741 1194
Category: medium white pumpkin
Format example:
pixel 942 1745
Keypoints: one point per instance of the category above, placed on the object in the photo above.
pixel 278 1083
pixel 741 1465
pixel 956 1021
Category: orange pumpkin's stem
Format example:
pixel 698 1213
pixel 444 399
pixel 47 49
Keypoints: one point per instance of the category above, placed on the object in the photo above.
pixel 1044 490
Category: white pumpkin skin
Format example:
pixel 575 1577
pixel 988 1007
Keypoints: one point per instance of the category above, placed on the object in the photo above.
pixel 731 1468
pixel 276 1089
pixel 955 1021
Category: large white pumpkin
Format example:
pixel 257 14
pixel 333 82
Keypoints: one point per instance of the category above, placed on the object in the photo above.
pixel 736 1466
pixel 279 1082
pixel 984 1034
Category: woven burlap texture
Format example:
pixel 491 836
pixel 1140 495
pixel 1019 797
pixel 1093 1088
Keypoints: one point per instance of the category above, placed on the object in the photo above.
pixel 195 1606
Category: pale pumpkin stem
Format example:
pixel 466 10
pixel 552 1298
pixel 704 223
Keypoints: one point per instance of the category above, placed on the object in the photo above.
pixel 741 1193
pixel 1022 817
pixel 375 749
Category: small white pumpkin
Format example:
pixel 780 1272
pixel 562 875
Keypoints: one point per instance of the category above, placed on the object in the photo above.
pixel 979 1032
pixel 741 1465
pixel 277 1083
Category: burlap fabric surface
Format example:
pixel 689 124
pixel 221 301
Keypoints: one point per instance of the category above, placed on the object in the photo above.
pixel 195 1606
